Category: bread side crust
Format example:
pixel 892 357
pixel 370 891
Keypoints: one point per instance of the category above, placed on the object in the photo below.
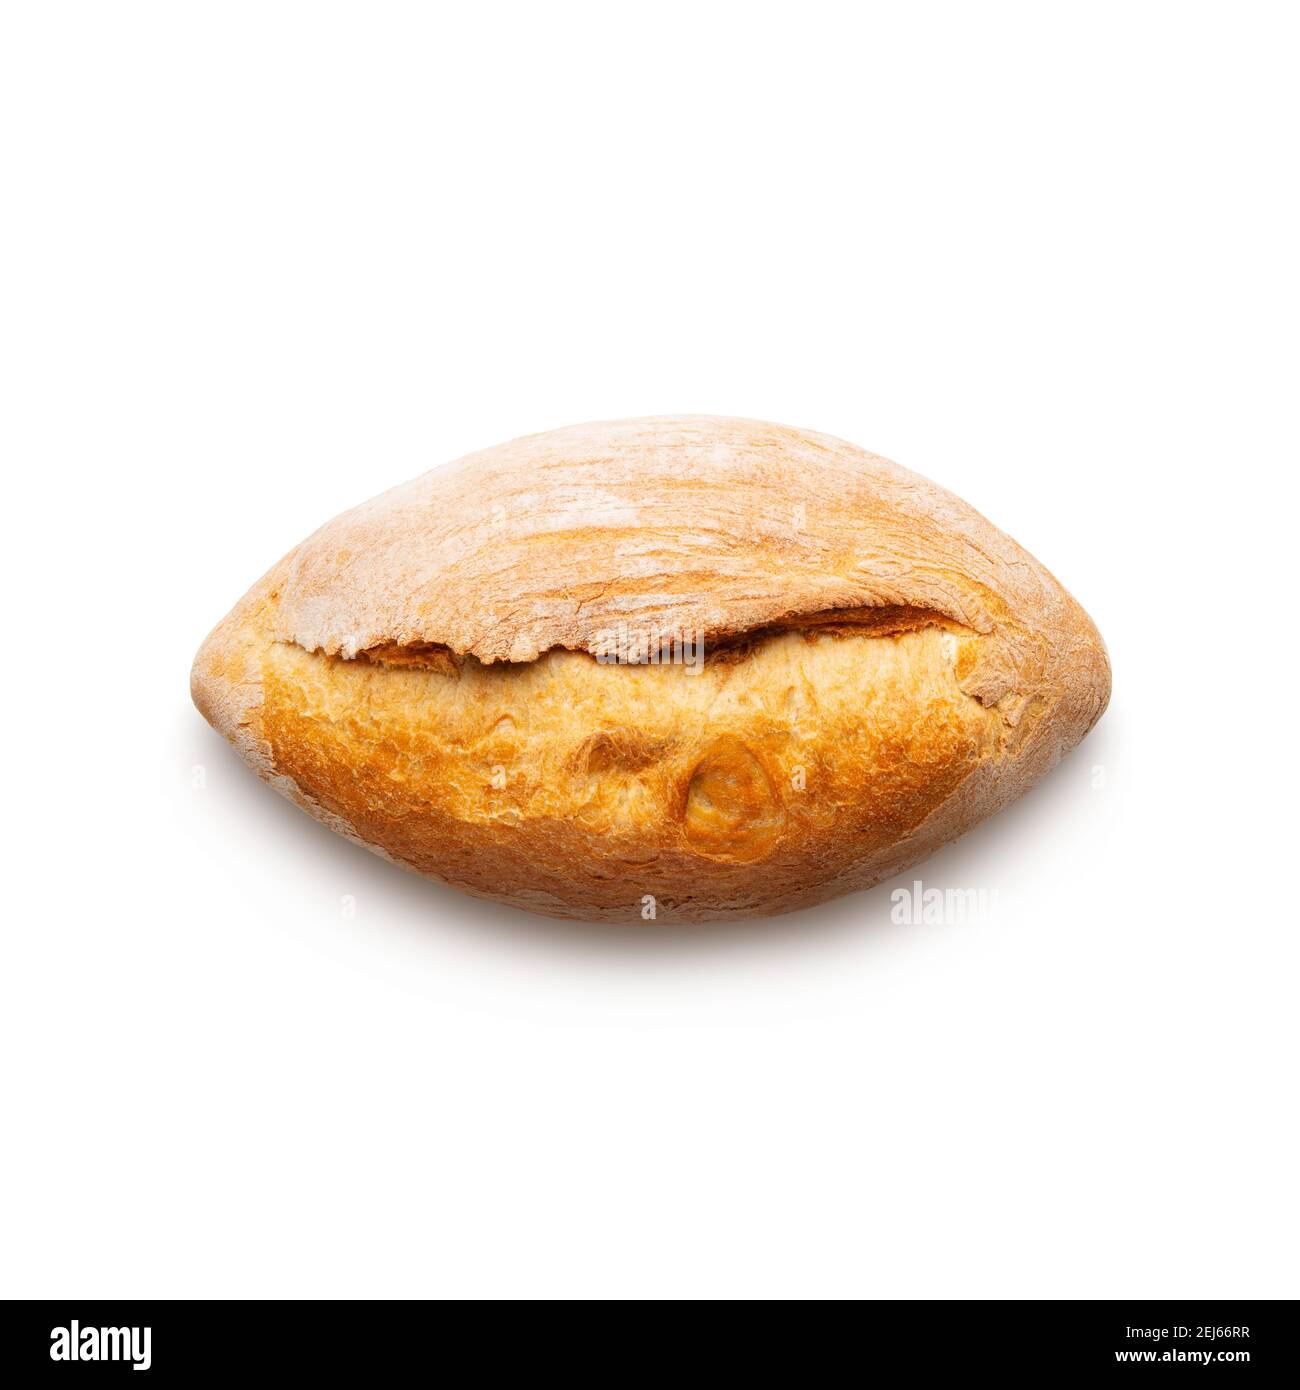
pixel 815 764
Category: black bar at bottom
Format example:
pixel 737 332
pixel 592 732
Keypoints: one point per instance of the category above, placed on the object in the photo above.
pixel 175 1341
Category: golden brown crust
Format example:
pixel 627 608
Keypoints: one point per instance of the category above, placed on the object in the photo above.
pixel 882 669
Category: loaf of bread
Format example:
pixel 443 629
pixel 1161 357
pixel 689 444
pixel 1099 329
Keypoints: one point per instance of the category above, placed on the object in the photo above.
pixel 686 668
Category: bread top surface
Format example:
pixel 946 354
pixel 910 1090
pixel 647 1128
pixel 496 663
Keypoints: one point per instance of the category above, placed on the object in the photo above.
pixel 700 524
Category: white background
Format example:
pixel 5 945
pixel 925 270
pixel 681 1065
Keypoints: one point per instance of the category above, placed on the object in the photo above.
pixel 262 261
